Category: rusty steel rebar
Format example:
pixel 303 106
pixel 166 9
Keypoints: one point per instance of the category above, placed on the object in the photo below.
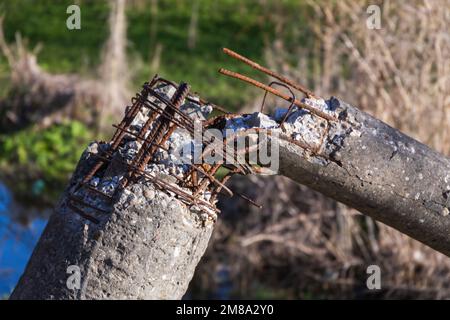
pixel 293 98
pixel 216 192
pixel 164 117
pixel 193 174
pixel 204 182
pixel 269 72
pixel 183 123
pixel 277 93
pixel 81 201
pixel 129 116
pixel 82 214
pixel 141 151
pixel 142 139
pixel 160 135
pixel 170 103
pixel 124 124
pixel 168 186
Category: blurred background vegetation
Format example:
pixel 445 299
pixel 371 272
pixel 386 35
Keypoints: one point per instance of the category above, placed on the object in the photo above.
pixel 53 83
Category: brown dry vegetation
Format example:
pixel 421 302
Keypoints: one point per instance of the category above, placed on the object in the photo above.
pixel 37 96
pixel 301 244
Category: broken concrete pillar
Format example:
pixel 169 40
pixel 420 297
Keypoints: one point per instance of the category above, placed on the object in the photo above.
pixel 368 165
pixel 380 171
pixel 354 158
pixel 146 248
pixel 127 226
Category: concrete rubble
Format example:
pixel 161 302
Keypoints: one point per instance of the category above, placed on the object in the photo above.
pixel 300 125
pixel 171 165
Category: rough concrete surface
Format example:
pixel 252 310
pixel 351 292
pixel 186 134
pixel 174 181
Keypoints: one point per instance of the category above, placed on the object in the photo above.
pixel 144 249
pixel 147 243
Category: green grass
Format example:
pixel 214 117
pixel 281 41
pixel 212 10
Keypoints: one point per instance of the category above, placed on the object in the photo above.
pixel 39 161
pixel 44 22
pixel 245 26
pixel 221 24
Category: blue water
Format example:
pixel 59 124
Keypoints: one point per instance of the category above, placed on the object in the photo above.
pixel 16 242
